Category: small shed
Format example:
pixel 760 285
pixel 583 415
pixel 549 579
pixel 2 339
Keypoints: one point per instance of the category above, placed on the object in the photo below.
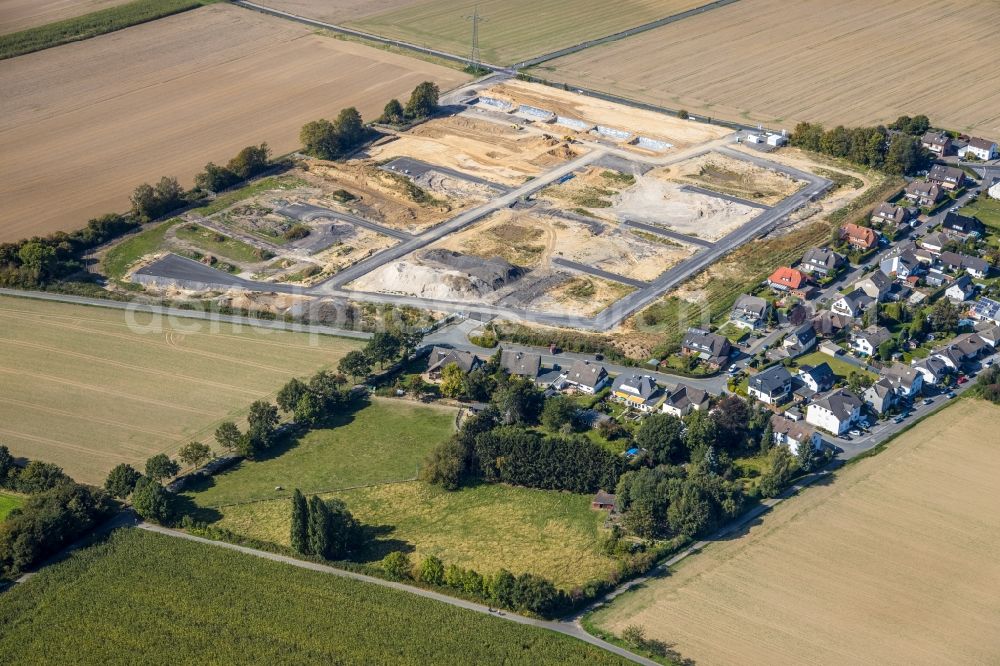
pixel 830 349
pixel 777 140
pixel 604 501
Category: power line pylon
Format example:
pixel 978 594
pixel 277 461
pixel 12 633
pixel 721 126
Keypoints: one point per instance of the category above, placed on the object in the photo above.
pixel 474 57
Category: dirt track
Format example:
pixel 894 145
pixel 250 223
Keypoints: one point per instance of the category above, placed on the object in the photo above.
pixel 81 125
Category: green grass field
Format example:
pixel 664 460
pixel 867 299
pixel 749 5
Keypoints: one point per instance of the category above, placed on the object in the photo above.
pixel 486 527
pixel 514 30
pixel 382 442
pixel 987 210
pixel 218 244
pixel 8 503
pixel 88 388
pixel 148 598
pixel 119 258
pixel 839 366
pixel 91 25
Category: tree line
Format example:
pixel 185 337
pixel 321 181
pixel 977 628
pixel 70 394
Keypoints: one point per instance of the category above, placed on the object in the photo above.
pixel 898 151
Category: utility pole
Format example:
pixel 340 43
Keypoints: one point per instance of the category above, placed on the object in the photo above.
pixel 474 58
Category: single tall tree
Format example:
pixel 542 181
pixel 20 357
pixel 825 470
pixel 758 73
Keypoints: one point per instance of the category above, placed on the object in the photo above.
pixel 319 524
pixel 121 481
pixel 300 523
pixel 160 467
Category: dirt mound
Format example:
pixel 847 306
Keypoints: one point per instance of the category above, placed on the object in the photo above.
pixel 561 153
pixel 442 274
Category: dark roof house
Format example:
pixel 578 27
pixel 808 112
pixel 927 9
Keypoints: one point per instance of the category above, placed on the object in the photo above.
pixel 522 364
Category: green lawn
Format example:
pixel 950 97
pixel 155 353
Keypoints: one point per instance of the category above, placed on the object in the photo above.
pixel 986 209
pixel 121 256
pixel 839 366
pixel 8 503
pixel 382 442
pixel 219 244
pixel 143 598
pixel 486 527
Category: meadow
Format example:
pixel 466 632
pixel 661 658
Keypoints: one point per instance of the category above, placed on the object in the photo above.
pixel 83 124
pixel 856 62
pixel 514 30
pixel 486 527
pixel 148 598
pixel 8 503
pixel 892 561
pixel 381 443
pixel 88 388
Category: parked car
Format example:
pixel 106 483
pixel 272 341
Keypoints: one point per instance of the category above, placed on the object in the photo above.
pixel 898 419
pixel 950 394
pixel 963 379
pixel 928 401
pixel 855 433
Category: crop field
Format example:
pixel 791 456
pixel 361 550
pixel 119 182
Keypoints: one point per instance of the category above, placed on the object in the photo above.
pixel 23 14
pixel 88 388
pixel 486 527
pixel 82 124
pixel 866 62
pixel 515 30
pixel 381 443
pixel 891 562
pixel 8 503
pixel 160 599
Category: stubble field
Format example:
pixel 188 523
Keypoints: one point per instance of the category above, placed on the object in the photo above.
pixel 81 388
pixel 513 30
pixel 82 124
pixel 22 14
pixel 893 562
pixel 852 62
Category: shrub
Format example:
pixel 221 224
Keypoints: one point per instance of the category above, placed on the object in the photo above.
pixel 397 565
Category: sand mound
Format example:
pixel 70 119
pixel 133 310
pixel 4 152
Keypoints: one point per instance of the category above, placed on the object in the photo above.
pixel 442 274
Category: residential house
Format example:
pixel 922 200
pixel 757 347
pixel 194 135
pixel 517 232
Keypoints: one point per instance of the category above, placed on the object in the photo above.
pixel 586 376
pixel 800 340
pixel 821 261
pixel 685 399
pixel 936 277
pixel 442 357
pixel 971 346
pixel 749 312
pixel 990 335
pixel 604 501
pixel 902 265
pixel 983 149
pixel 924 255
pixel 710 347
pixel 963 226
pixel 933 369
pixel 960 290
pixel 862 238
pixel 876 285
pixel 951 356
pixel 521 364
pixel 818 378
pixel 771 386
pixel 974 266
pixel 852 305
pixel 891 214
pixel 937 143
pixel 949 178
pixel 867 342
pixel 637 391
pixel 787 279
pixel 880 396
pixel 835 412
pixel 923 193
pixel 934 242
pixel 793 433
pixel 830 324
pixel 906 381
pixel 986 309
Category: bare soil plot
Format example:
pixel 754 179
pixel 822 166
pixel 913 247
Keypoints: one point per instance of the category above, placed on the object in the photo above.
pixel 853 62
pixel 593 111
pixel 893 562
pixel 18 15
pixel 515 29
pixel 88 388
pixel 82 124
pixel 736 178
pixel 492 151
pixel 581 295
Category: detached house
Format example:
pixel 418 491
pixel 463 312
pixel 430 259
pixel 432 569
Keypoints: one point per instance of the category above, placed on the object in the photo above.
pixel 586 377
pixel 960 290
pixel 962 226
pixel 876 285
pixel 937 143
pixel 905 380
pixel 521 364
pixel 902 264
pixel 862 238
pixel 800 340
pixel 442 357
pixel 982 149
pixel 867 342
pixel 880 396
pixel 852 305
pixel 750 312
pixel 923 193
pixel 684 400
pixel 818 378
pixel 986 309
pixel 771 386
pixel 821 261
pixel 974 266
pixel 710 347
pixel 636 391
pixel 990 335
pixel 787 279
pixel 934 242
pixel 933 370
pixel 793 434
pixel 891 214
pixel 836 412
pixel 949 178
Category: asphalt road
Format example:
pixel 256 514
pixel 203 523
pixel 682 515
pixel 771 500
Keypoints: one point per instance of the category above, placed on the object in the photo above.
pixel 308 212
pixel 413 168
pixel 577 267
pixel 660 231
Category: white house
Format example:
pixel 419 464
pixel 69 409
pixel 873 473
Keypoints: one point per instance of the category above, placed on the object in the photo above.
pixel 818 378
pixel 586 377
pixel 793 434
pixel 685 399
pixel 933 370
pixel 960 290
pixel 836 412
pixel 771 386
pixel 852 305
pixel 994 190
pixel 880 396
pixel 982 149
pixel 637 391
pixel 906 381
pixel 866 342
pixel 986 309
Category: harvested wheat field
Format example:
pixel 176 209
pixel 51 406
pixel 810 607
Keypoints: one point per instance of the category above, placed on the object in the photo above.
pixel 893 562
pixel 593 111
pixel 83 124
pixel 852 62
pixel 514 30
pixel 338 11
pixel 88 388
pixel 18 15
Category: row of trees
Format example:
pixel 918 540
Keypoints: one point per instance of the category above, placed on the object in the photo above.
pixel 323 528
pixel 896 153
pixel 384 347
pixel 423 102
